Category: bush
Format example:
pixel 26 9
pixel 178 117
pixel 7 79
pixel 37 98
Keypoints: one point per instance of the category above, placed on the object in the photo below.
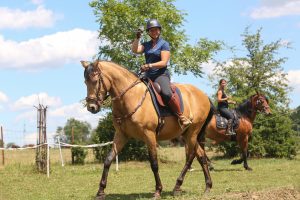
pixel 133 150
pixel 78 155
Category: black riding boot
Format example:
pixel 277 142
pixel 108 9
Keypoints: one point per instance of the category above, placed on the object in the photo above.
pixel 229 130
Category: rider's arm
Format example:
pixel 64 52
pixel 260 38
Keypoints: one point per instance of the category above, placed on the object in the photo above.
pixel 220 99
pixel 136 46
pixel 165 57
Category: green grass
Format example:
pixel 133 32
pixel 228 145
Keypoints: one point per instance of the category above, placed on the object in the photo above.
pixel 134 180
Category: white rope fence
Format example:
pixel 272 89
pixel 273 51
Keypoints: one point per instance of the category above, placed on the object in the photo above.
pixel 23 148
pixel 62 144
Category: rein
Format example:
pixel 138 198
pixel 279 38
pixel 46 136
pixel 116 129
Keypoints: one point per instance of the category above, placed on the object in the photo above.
pixel 119 119
pixel 137 81
pixel 100 100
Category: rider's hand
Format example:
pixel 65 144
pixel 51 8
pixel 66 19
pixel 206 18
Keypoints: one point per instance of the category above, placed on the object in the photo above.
pixel 145 67
pixel 139 32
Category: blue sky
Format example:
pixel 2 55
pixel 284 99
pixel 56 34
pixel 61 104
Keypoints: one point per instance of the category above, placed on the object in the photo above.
pixel 42 42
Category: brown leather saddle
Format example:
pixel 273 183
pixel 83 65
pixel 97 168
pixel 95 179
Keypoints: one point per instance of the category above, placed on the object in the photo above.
pixel 161 108
pixel 157 91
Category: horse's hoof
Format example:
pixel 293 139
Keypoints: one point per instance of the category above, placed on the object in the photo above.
pixel 177 192
pixel 248 168
pixel 211 168
pixel 100 196
pixel 207 190
pixel 156 196
pixel 235 162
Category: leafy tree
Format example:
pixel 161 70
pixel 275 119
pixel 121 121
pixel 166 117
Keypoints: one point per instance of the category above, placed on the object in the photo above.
pixel 118 22
pixel 81 131
pixel 262 70
pixel 295 116
pixel 78 155
pixel 133 150
pixel 120 19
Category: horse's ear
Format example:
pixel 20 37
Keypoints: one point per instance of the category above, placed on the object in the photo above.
pixel 257 92
pixel 85 64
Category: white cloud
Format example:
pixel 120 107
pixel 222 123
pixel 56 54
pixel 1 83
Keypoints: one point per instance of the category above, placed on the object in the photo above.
pixel 49 51
pixel 208 67
pixel 293 77
pixel 3 97
pixel 20 19
pixel 33 100
pixel 29 116
pixel 276 8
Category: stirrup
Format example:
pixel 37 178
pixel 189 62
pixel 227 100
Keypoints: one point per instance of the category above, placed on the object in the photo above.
pixel 230 132
pixel 184 127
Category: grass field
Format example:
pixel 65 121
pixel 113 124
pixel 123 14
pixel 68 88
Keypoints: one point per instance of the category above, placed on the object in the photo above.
pixel 270 179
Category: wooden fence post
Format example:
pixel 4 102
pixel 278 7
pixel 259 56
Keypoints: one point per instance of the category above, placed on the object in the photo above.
pixel 2 139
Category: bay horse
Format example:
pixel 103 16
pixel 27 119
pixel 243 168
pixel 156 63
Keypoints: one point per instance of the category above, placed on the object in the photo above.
pixel 247 112
pixel 134 116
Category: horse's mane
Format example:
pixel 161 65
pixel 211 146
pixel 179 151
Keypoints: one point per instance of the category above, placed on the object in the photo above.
pixel 244 109
pixel 121 67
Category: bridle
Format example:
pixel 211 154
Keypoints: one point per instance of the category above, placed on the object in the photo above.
pixel 99 99
pixel 258 104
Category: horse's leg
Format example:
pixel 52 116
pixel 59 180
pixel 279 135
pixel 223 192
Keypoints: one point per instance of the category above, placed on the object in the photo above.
pixel 187 157
pixel 151 143
pixel 237 161
pixel 202 158
pixel 190 155
pixel 243 144
pixel 244 147
pixel 210 165
pixel 118 143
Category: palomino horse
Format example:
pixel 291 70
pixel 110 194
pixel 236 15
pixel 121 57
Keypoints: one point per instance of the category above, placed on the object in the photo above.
pixel 135 117
pixel 247 111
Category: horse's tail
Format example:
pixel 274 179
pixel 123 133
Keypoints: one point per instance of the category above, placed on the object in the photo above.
pixel 201 135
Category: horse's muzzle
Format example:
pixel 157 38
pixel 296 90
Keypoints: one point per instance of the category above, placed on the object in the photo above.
pixel 93 108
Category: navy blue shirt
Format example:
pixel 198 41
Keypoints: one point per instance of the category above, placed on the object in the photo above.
pixel 153 55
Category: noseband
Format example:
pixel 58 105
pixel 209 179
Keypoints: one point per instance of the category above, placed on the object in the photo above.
pixel 99 99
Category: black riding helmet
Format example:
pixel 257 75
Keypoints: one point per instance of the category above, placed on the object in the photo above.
pixel 152 23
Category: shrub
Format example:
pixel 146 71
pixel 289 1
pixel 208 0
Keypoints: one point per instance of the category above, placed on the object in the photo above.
pixel 78 155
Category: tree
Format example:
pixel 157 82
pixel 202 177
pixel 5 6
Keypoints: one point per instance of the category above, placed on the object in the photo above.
pixel 295 116
pixel 118 22
pixel 81 131
pixel 262 70
pixel 119 19
pixel 12 145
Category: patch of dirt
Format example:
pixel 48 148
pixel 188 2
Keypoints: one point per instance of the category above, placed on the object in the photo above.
pixel 273 194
